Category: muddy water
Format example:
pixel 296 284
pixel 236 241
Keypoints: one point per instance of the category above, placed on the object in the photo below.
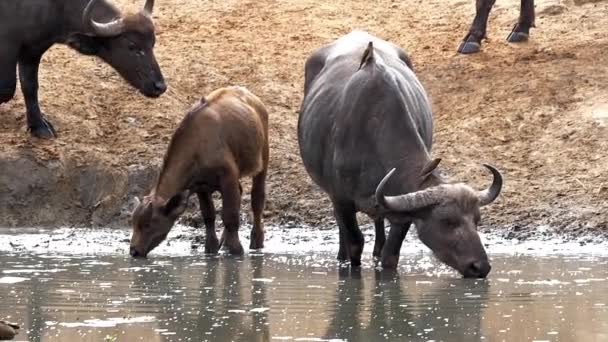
pixel 295 293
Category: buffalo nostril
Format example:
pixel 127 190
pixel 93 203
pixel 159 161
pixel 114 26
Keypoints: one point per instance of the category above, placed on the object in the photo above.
pixel 160 86
pixel 479 269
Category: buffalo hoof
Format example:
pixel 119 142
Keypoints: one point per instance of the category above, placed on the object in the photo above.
pixel 390 262
pixel 212 245
pixel 518 34
pixel 355 262
pixel 466 48
pixel 257 241
pixel 517 37
pixel 232 245
pixel 44 130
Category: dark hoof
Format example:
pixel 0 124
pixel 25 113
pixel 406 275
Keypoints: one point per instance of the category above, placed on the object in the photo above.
pixel 469 47
pixel 256 242
pixel 390 262
pixel 355 262
pixel 517 37
pixel 212 246
pixel 44 130
pixel 233 247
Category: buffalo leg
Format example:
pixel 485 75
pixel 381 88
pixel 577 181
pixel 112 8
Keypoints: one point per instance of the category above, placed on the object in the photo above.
pixel 471 43
pixel 380 237
pixel 392 248
pixel 352 238
pixel 258 197
pixel 521 30
pixel 28 75
pixel 212 245
pixel 8 72
pixel 231 204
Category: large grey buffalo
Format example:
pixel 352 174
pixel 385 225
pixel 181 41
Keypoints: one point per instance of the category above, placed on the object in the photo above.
pixel 28 28
pixel 471 43
pixel 364 113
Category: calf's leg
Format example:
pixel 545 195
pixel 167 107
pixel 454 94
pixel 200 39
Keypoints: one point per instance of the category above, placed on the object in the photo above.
pixel 392 248
pixel 28 75
pixel 258 198
pixel 521 30
pixel 351 237
pixel 231 204
pixel 471 43
pixel 212 244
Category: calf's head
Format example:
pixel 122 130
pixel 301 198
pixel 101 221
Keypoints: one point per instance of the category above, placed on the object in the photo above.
pixel 152 220
pixel 127 44
pixel 446 218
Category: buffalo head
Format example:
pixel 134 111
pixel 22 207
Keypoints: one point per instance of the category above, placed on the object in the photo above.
pixel 152 220
pixel 446 218
pixel 127 44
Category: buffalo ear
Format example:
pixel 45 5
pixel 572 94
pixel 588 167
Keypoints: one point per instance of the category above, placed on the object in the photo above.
pixel 84 44
pixel 176 205
pixel 428 169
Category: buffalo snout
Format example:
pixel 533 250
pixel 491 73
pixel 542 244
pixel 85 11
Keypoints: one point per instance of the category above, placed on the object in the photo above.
pixel 135 253
pixel 477 269
pixel 155 89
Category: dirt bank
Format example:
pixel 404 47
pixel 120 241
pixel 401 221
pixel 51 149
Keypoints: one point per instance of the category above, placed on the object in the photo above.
pixel 534 110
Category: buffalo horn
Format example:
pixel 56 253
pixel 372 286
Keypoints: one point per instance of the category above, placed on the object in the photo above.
pixel 488 195
pixel 408 202
pixel 148 7
pixel 110 29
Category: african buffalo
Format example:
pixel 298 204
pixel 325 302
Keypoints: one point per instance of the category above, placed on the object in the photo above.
pixel 471 43
pixel 364 113
pixel 28 28
pixel 222 139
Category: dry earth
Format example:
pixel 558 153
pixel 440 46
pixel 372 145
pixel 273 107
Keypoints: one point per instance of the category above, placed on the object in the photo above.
pixel 535 110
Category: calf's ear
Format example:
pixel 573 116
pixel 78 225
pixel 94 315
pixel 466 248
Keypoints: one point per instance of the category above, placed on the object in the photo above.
pixel 176 205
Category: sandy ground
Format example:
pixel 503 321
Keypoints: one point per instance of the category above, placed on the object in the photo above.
pixel 534 110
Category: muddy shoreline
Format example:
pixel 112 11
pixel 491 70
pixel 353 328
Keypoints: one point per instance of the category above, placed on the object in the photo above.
pixel 72 192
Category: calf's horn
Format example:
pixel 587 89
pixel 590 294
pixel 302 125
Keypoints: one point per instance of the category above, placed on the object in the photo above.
pixel 488 195
pixel 110 29
pixel 408 202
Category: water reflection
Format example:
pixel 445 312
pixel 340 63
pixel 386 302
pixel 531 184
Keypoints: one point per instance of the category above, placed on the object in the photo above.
pixel 387 311
pixel 266 297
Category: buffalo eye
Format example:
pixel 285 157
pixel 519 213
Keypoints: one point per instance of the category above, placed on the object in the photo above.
pixel 132 46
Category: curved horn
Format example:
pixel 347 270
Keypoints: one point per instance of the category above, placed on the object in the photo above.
pixel 111 29
pixel 148 7
pixel 407 202
pixel 490 194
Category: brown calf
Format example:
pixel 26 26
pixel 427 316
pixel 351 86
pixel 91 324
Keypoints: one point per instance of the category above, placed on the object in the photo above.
pixel 222 139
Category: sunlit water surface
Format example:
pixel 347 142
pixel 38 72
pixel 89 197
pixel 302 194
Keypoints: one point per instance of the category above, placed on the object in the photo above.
pixel 94 292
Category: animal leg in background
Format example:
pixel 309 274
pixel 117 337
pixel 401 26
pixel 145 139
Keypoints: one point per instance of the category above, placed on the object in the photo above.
pixel 8 73
pixel 521 30
pixel 212 245
pixel 380 237
pixel 258 198
pixel 392 248
pixel 28 75
pixel 471 43
pixel 350 235
pixel 231 203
